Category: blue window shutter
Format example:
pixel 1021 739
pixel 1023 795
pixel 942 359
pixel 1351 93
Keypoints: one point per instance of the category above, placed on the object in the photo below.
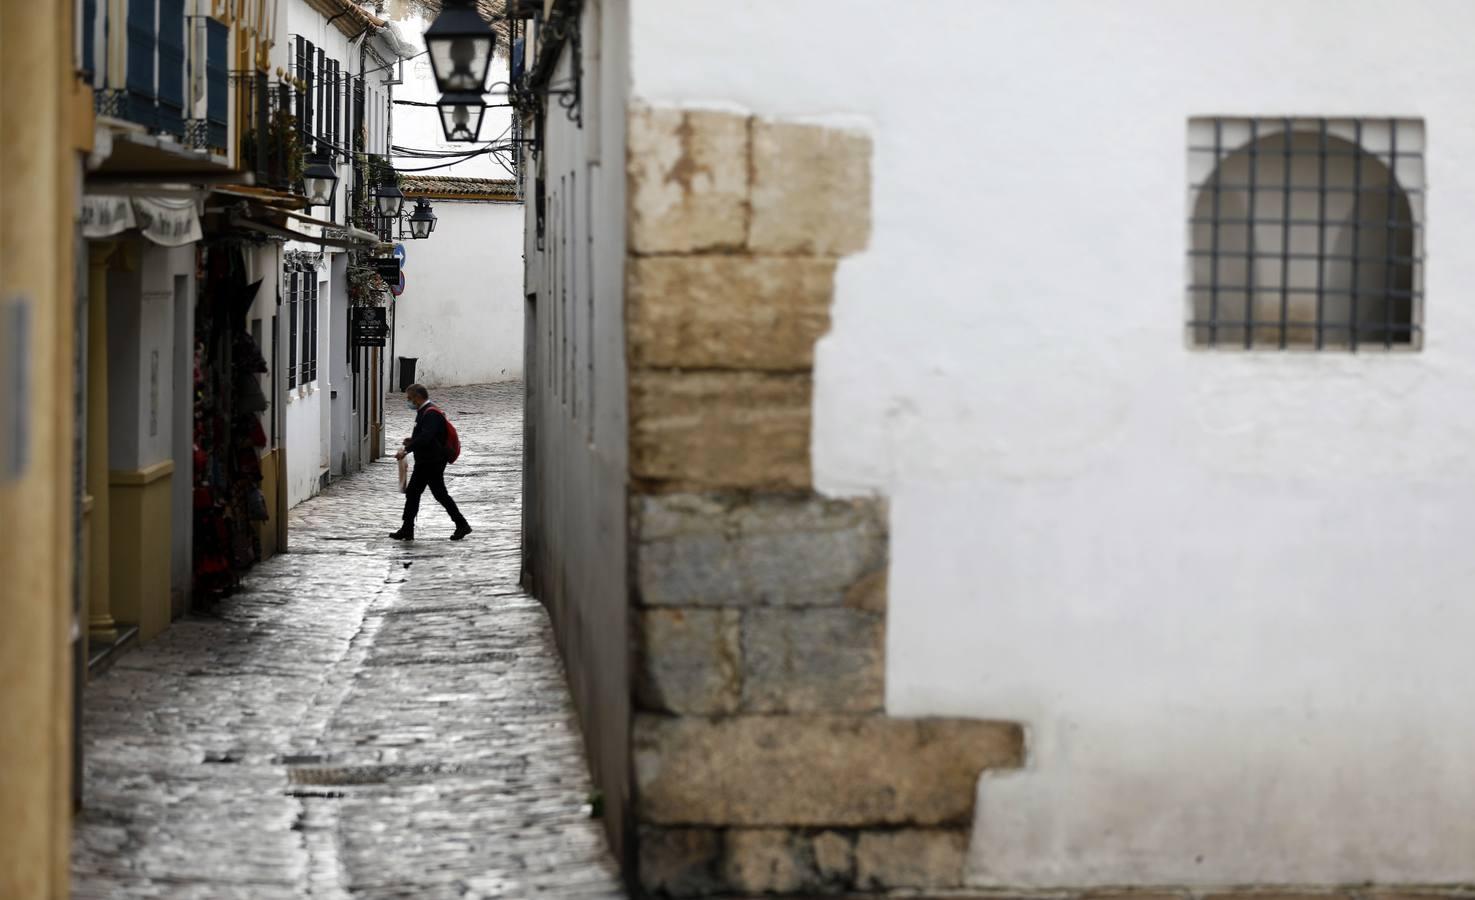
pixel 89 38
pixel 171 66
pixel 142 29
pixel 217 82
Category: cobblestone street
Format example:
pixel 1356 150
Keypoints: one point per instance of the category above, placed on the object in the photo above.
pixel 364 719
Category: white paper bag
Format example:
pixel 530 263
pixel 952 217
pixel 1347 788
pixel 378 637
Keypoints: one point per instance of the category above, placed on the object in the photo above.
pixel 404 474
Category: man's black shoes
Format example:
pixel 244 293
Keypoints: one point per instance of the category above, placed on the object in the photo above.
pixel 461 531
pixel 404 534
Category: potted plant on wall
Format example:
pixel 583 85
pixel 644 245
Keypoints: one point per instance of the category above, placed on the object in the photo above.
pixel 279 158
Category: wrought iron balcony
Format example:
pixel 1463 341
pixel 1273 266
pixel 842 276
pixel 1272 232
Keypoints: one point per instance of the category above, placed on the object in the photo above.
pixel 272 141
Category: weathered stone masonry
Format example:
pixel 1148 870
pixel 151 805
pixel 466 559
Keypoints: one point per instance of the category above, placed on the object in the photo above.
pixel 763 758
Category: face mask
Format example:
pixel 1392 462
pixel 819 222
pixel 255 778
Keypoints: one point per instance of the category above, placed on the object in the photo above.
pixel 410 404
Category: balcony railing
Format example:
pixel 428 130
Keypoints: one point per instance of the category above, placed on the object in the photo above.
pixel 272 144
pixel 173 76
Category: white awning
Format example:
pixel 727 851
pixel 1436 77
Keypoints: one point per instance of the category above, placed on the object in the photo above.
pixel 167 221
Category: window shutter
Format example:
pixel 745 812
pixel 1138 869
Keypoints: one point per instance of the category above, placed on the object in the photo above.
pixel 304 49
pixel 292 328
pixel 314 326
pixel 141 106
pixel 171 66
pixel 319 127
pixel 217 82
pixel 335 134
pixel 309 327
pixel 89 38
pixel 356 121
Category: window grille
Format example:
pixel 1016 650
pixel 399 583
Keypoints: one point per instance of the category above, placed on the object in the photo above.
pixel 1306 233
pixel 310 333
pixel 292 304
pixel 303 52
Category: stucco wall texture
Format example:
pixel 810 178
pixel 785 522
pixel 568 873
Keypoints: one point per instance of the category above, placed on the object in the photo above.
pixel 1225 593
pixel 461 312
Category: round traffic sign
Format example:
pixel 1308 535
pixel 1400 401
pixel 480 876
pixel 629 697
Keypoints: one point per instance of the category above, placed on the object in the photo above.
pixel 399 253
pixel 398 289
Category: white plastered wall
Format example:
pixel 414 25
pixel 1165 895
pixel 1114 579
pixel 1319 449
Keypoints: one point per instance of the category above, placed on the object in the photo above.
pixel 306 426
pixel 142 334
pixel 461 313
pixel 1227 593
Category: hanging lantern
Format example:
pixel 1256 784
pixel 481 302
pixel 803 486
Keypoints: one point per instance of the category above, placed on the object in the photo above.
pixel 390 200
pixel 460 44
pixel 461 113
pixel 422 221
pixel 319 180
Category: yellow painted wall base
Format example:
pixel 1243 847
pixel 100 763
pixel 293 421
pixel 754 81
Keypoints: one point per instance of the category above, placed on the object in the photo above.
pixel 140 516
pixel 266 531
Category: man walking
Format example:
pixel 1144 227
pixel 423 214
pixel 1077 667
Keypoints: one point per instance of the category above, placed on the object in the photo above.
pixel 428 444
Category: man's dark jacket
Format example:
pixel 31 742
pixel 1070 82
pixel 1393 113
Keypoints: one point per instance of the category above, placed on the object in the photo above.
pixel 428 440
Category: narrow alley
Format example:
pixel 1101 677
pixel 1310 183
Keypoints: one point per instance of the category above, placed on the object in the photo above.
pixel 364 719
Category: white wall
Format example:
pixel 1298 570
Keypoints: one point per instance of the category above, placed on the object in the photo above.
pixel 344 443
pixel 419 128
pixel 306 431
pixel 303 20
pixel 151 379
pixel 461 312
pixel 182 428
pixel 141 336
pixel 1226 592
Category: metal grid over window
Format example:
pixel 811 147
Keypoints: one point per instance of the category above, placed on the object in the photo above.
pixel 1306 233
pixel 310 327
pixel 292 278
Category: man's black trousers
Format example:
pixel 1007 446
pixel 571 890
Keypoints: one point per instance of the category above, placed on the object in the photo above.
pixel 433 477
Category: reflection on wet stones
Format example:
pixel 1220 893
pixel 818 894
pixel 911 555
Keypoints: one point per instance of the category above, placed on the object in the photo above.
pixel 363 719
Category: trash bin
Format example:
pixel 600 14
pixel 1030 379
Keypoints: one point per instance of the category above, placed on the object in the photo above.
pixel 407 372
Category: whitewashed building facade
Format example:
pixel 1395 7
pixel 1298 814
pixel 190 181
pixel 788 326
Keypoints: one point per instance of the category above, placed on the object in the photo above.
pixel 460 317
pixel 1088 374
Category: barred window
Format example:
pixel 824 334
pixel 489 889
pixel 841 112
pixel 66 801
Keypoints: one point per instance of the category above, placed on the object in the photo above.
pixel 292 293
pixel 308 298
pixel 1306 233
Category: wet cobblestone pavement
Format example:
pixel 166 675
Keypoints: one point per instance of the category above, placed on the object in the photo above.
pixel 365 719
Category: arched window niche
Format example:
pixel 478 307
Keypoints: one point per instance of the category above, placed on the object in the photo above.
pixel 1306 233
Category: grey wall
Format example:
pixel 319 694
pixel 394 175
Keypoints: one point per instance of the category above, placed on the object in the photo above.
pixel 576 464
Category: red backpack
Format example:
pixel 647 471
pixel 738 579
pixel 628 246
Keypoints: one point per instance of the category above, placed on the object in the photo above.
pixel 453 440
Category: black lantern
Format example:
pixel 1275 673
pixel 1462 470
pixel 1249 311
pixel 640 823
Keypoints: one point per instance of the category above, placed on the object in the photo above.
pixel 390 200
pixel 460 44
pixel 319 180
pixel 461 113
pixel 422 222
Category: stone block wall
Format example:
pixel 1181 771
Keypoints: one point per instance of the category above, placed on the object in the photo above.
pixel 763 758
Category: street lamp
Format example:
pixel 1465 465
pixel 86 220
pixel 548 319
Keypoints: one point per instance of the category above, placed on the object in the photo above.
pixel 460 44
pixel 319 180
pixel 390 200
pixel 422 222
pixel 461 113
